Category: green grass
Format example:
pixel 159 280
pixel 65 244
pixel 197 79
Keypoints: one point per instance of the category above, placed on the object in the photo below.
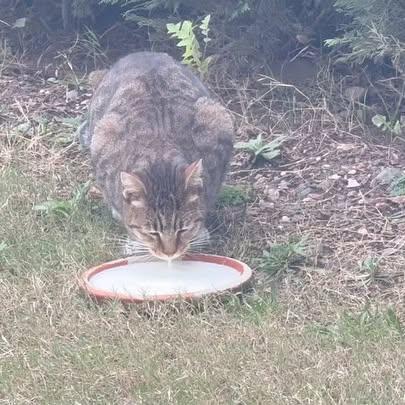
pixel 233 196
pixel 58 347
pixel 281 256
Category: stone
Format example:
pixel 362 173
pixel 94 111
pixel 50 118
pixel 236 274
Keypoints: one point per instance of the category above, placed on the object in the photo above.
pixel 386 176
pixel 334 177
pixel 352 183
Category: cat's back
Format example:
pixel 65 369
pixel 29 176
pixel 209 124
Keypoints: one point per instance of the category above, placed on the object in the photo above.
pixel 147 75
pixel 148 108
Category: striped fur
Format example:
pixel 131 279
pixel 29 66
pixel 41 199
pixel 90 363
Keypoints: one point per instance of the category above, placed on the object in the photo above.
pixel 151 120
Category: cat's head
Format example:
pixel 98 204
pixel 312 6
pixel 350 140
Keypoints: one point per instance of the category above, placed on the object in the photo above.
pixel 163 208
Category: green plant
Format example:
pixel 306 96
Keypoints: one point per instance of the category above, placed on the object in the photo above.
pixel 381 121
pixel 375 31
pixel 366 325
pixel 370 265
pixel 3 246
pixel 89 44
pixel 232 196
pixel 259 149
pixel 63 208
pixel 281 256
pixel 397 187
pixel 193 55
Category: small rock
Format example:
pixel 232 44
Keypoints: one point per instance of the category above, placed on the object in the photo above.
pixel 303 189
pixel 352 183
pixel 351 172
pixel 386 176
pixel 362 231
pixel 316 196
pixel 272 193
pixel 285 219
pixel 394 158
pixel 283 185
pixel 266 205
pixel 71 95
pixel 334 177
pixel 326 166
pixel 325 184
pixel 346 147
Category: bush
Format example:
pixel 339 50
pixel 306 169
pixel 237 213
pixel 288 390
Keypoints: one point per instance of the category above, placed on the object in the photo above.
pixel 375 32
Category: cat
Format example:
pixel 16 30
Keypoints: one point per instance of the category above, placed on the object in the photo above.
pixel 160 145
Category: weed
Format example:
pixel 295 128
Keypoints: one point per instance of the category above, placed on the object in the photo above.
pixel 193 56
pixel 259 149
pixel 233 196
pixel 370 265
pixel 397 187
pixel 282 256
pixel 91 47
pixel 386 125
pixel 253 308
pixel 364 325
pixel 63 208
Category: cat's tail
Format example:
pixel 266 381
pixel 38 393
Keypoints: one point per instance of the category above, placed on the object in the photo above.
pixel 82 133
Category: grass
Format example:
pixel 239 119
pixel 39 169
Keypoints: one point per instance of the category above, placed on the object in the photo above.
pixel 233 196
pixel 314 342
pixel 57 346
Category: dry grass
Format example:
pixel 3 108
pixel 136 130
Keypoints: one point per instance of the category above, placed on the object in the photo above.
pixel 307 337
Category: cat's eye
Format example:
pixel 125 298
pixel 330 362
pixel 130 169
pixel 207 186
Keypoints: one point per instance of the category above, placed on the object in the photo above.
pixel 180 231
pixel 154 234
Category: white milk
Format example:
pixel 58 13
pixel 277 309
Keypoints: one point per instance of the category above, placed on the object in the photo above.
pixel 157 278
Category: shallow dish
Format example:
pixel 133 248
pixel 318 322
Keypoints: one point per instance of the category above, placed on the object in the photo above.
pixel 196 275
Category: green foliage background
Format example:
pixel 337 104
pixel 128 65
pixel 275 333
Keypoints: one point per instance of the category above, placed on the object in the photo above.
pixel 358 31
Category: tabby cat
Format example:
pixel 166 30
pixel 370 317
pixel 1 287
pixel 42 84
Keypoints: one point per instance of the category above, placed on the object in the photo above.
pixel 160 146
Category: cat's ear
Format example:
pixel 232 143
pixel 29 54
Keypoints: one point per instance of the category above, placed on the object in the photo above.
pixel 193 173
pixel 133 189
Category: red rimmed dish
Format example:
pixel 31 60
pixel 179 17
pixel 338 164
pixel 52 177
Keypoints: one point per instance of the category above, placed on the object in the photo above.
pixel 194 276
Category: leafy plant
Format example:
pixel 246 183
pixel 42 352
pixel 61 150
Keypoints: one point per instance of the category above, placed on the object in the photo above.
pixel 375 32
pixel 3 246
pixel 193 55
pixel 258 148
pixel 381 121
pixel 370 265
pixel 63 208
pixel 281 256
pixel 232 196
pixel 397 187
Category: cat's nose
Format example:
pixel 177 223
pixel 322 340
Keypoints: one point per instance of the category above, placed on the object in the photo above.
pixel 169 246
